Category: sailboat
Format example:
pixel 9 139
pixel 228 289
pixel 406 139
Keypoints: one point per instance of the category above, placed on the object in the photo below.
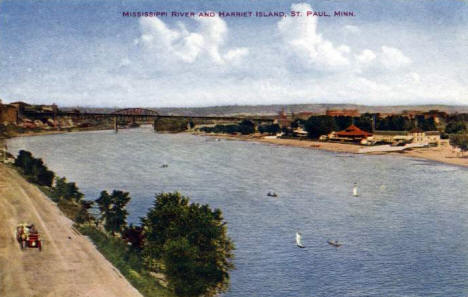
pixel 355 193
pixel 299 240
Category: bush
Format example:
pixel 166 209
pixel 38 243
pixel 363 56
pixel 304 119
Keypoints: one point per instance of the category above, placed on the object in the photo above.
pixel 135 236
pixel 127 261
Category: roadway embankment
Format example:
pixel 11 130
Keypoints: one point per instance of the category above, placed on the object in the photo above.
pixel 68 265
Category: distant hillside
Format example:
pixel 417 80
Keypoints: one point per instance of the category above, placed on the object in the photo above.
pixel 274 109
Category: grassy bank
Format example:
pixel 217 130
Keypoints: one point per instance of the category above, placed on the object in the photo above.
pixel 127 261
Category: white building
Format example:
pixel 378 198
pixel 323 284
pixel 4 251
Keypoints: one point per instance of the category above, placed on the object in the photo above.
pixel 402 137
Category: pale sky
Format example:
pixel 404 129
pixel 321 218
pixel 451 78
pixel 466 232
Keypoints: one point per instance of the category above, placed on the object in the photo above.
pixel 86 53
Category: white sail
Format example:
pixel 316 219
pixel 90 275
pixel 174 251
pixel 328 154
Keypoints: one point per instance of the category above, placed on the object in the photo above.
pixel 355 193
pixel 299 239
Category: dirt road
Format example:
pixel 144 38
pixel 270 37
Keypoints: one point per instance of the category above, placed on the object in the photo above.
pixel 69 265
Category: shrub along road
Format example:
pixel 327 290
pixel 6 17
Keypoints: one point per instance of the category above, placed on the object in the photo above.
pixel 68 265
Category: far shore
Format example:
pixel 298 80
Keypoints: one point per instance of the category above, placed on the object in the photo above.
pixel 53 132
pixel 439 154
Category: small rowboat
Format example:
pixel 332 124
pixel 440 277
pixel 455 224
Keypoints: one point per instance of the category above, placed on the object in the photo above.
pixel 334 243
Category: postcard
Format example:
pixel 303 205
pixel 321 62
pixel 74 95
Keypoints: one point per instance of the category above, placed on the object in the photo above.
pixel 233 148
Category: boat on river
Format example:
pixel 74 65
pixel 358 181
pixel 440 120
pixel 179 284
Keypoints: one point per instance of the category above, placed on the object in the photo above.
pixel 355 190
pixel 334 243
pixel 299 240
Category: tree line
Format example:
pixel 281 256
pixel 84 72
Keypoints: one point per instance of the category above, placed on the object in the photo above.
pixel 66 194
pixel 34 169
pixel 245 127
pixel 323 124
pixel 186 241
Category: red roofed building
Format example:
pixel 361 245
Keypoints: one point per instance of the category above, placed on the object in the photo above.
pixel 353 133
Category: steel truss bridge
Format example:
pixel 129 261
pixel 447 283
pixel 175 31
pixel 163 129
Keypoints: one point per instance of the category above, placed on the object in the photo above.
pixel 146 115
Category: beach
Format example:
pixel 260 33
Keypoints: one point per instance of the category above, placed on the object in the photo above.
pixel 444 154
pixel 439 154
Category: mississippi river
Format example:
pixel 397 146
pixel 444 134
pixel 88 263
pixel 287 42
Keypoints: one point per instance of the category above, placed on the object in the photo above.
pixel 405 235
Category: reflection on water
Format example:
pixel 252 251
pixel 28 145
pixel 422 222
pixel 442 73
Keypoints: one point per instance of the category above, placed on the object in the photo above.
pixel 405 235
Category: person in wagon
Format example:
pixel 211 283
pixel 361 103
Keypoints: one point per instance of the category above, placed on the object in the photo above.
pixel 32 229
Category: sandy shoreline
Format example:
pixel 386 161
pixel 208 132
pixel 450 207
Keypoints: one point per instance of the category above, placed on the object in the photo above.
pixel 439 154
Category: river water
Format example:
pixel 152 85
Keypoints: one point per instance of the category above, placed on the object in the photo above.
pixel 405 235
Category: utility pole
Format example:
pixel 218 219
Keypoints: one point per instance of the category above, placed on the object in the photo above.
pixel 116 127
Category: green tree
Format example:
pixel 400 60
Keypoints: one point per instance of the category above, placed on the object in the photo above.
pixel 183 275
pixel 66 190
pixel 34 168
pixel 460 141
pixel 320 125
pixel 113 212
pixel 246 127
pixel 72 192
pixel 453 127
pixel 192 241
pixel 426 124
pixel 104 202
pixel 24 161
pixel 364 122
pixel 394 123
pixel 270 129
pixel 343 122
pixel 164 220
pixel 59 187
pixel 42 175
pixel 37 165
pixel 83 215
